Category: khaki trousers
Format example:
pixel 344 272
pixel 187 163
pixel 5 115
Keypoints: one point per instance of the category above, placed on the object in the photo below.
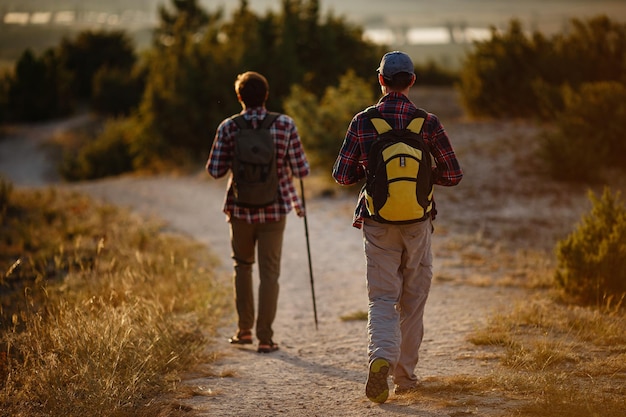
pixel 399 274
pixel 267 238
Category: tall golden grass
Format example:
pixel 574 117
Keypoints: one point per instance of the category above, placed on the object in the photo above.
pixel 555 360
pixel 101 310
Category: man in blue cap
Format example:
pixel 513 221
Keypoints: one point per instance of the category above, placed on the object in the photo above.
pixel 398 256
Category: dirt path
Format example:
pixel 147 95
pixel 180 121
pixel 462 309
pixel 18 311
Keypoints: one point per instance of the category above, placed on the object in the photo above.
pixel 481 226
pixel 316 372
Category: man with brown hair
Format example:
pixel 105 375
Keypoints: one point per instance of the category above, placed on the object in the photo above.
pixel 398 256
pixel 259 228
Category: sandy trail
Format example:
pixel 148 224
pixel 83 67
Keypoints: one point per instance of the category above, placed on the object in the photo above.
pixel 316 372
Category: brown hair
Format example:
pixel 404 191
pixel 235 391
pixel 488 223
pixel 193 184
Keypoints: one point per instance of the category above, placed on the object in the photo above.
pixel 399 81
pixel 251 87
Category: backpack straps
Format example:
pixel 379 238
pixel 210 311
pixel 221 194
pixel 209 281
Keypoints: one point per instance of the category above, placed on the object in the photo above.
pixel 269 119
pixel 242 123
pixel 416 124
pixel 382 126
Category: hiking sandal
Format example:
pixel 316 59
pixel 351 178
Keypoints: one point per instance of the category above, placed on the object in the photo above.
pixel 267 347
pixel 243 337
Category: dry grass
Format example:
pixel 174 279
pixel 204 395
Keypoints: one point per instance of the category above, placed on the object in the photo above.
pixel 355 316
pixel 549 358
pixel 102 312
pixel 557 360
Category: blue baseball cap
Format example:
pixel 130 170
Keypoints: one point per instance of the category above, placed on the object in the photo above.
pixel 394 63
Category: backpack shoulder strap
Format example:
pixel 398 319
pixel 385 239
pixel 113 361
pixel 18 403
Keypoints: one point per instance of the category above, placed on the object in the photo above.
pixel 268 120
pixel 241 122
pixel 417 121
pixel 380 124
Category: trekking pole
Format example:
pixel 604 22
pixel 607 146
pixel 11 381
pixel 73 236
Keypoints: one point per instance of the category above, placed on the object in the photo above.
pixel 308 248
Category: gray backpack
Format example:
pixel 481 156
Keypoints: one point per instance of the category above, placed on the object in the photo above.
pixel 255 178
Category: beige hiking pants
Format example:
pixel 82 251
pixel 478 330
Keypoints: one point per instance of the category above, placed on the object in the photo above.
pixel 399 274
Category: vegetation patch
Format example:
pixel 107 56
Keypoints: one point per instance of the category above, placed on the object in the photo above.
pixel 101 311
pixel 554 355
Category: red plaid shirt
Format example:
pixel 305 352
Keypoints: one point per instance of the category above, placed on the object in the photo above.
pixel 290 161
pixel 351 162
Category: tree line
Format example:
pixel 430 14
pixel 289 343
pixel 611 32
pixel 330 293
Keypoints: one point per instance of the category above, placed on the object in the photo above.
pixel 163 105
pixel 174 95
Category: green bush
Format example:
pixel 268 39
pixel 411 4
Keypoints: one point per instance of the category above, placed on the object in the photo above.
pixel 496 78
pixel 38 89
pixel 90 51
pixel 116 92
pixel 516 75
pixel 322 124
pixel 431 74
pixel 6 188
pixel 592 260
pixel 109 154
pixel 590 134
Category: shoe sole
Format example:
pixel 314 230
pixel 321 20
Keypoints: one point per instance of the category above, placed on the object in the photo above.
pixel 377 389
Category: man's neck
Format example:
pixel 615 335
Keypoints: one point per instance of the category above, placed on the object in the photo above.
pixel 387 91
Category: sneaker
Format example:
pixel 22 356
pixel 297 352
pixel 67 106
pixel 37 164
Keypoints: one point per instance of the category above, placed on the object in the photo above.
pixel 377 389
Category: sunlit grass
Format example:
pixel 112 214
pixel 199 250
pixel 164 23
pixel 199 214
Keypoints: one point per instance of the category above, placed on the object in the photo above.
pixel 355 316
pixel 101 311
pixel 557 360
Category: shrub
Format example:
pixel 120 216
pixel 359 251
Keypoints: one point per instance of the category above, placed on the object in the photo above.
pixel 496 79
pixel 590 133
pixel 90 51
pixel 38 89
pixel 592 260
pixel 431 74
pixel 109 154
pixel 322 124
pixel 116 92
pixel 510 74
pixel 6 188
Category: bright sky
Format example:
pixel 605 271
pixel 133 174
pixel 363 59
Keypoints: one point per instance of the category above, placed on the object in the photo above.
pixel 415 21
pixel 436 12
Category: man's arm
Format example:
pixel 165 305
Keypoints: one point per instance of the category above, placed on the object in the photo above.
pixel 448 171
pixel 298 162
pixel 347 169
pixel 220 158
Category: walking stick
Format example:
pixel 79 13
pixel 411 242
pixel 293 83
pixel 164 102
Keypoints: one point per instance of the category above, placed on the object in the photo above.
pixel 308 248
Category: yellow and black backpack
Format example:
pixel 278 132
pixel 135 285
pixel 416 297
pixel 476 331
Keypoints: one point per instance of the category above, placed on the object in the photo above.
pixel 399 185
